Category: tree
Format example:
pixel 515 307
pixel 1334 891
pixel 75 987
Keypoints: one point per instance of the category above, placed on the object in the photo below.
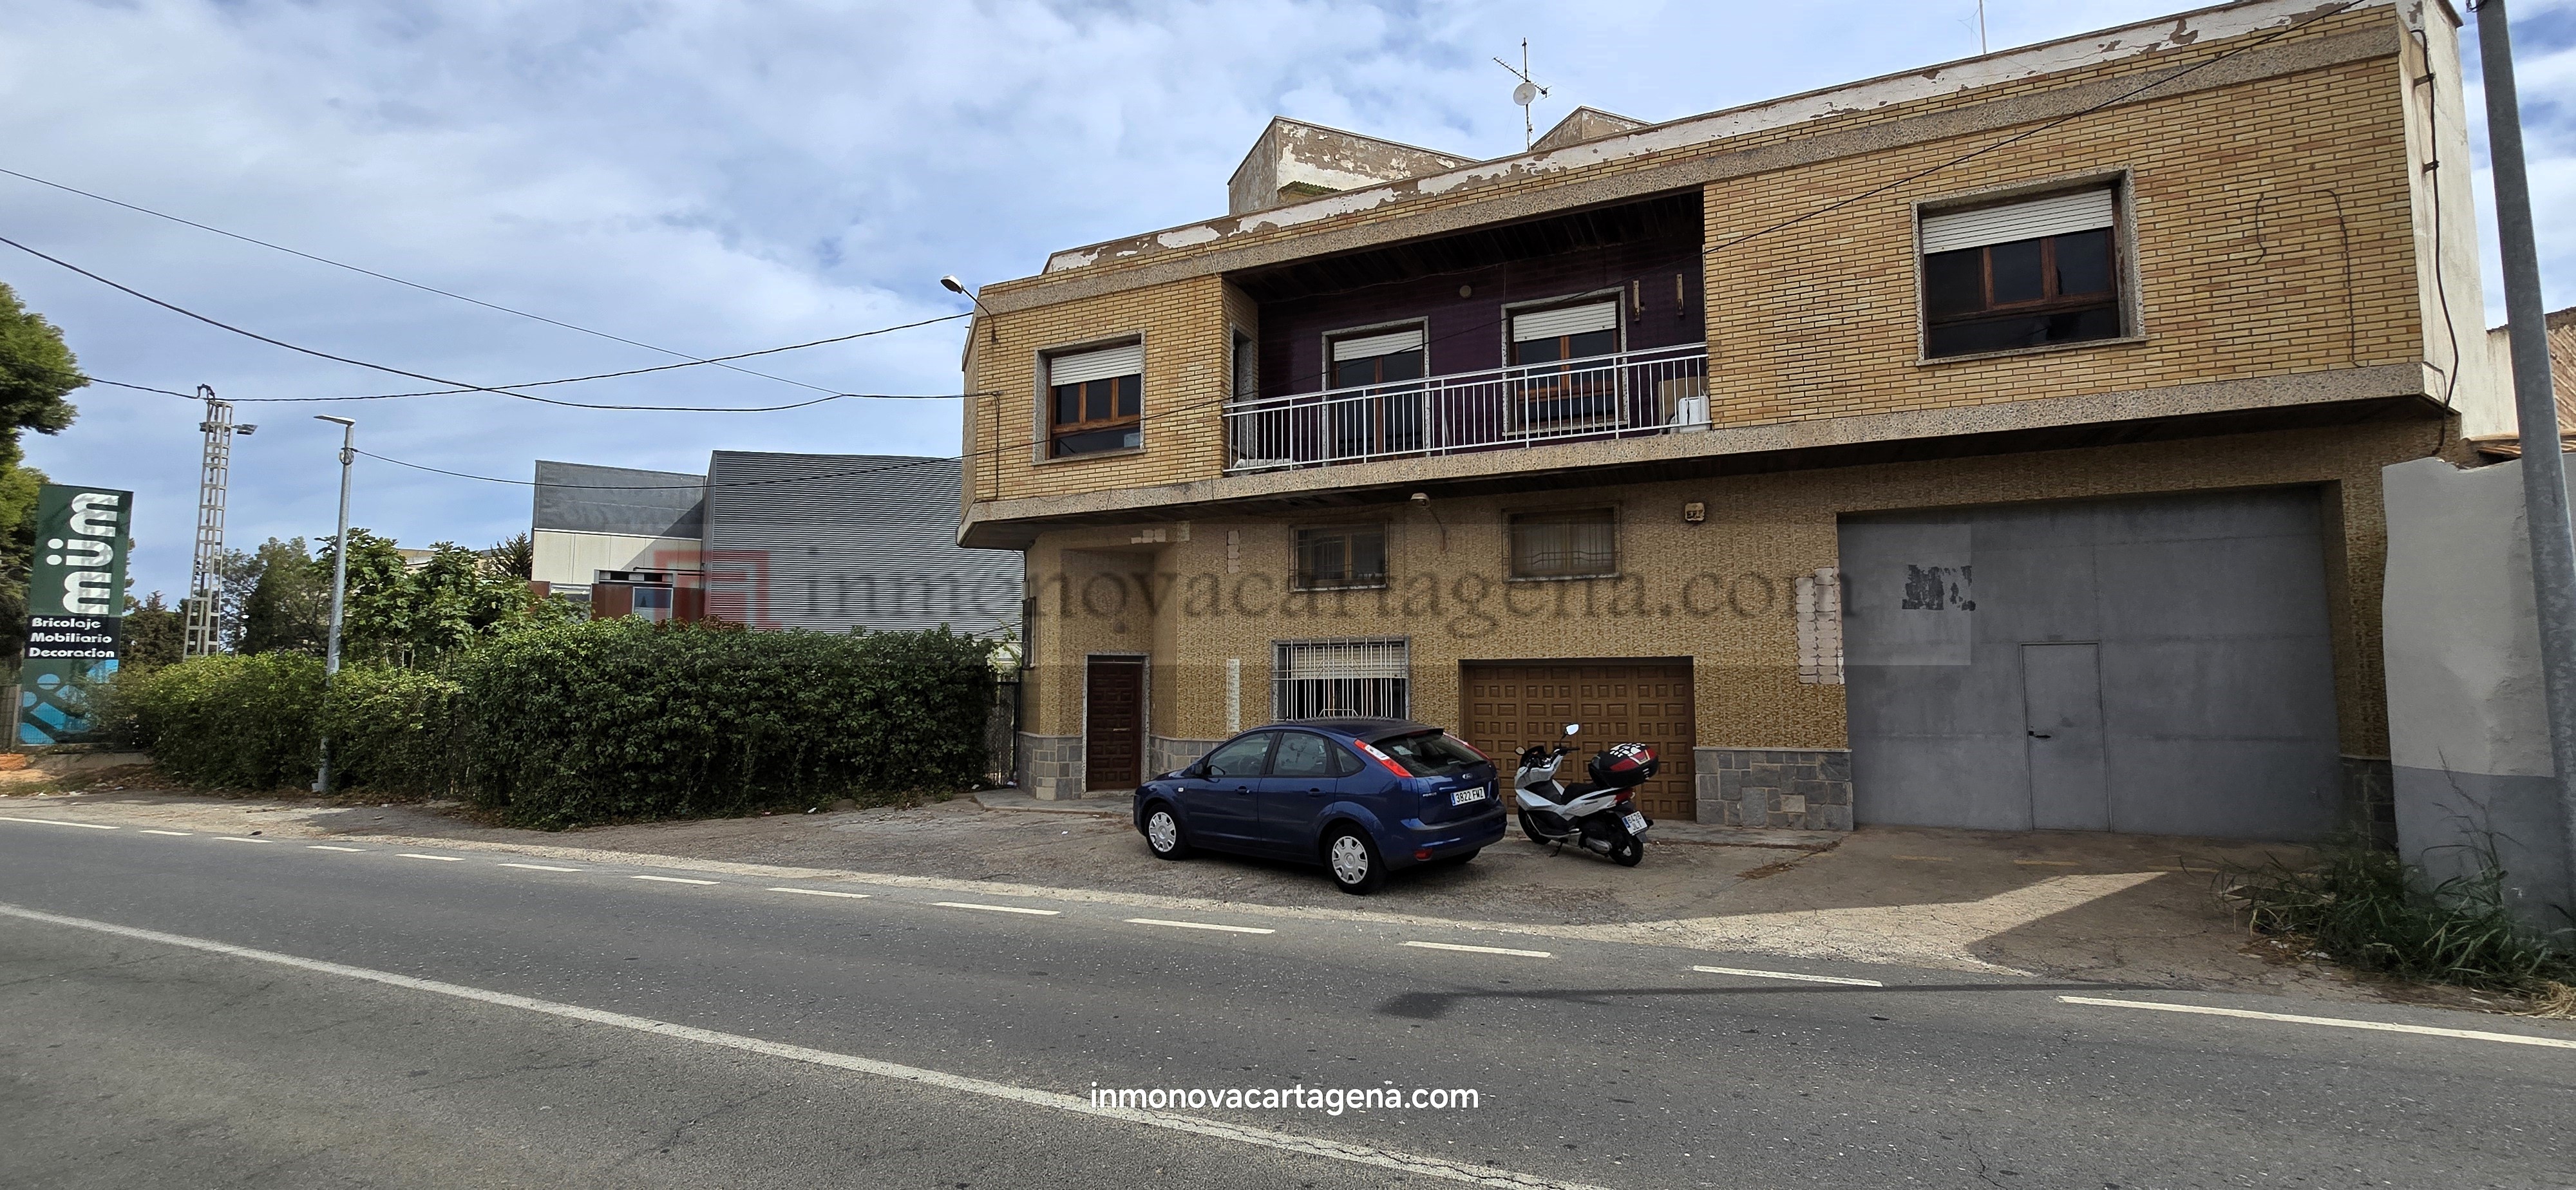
pixel 37 371
pixel 516 555
pixel 401 613
pixel 286 601
pixel 155 633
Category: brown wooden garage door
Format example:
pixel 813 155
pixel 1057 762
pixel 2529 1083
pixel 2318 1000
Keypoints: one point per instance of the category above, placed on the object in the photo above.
pixel 1513 704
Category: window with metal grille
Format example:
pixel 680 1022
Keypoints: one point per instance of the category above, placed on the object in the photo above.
pixel 1568 544
pixel 1323 679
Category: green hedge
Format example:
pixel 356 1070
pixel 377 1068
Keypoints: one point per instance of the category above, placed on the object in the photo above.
pixel 224 721
pixel 590 722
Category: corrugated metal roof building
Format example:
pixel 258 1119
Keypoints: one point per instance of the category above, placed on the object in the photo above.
pixel 832 542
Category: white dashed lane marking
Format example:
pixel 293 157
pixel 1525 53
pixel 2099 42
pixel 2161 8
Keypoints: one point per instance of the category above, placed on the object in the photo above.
pixel 59 822
pixel 2334 1022
pixel 671 879
pixel 1198 925
pixel 239 839
pixel 541 867
pixel 822 892
pixel 1753 973
pixel 998 908
pixel 444 859
pixel 328 847
pixel 172 834
pixel 1527 954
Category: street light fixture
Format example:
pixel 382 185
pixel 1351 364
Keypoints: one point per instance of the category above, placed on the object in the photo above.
pixel 339 578
pixel 992 331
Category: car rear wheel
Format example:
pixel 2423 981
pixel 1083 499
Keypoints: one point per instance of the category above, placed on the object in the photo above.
pixel 1163 834
pixel 1353 861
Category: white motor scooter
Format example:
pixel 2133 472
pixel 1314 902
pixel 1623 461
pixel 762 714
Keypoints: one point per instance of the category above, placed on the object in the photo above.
pixel 1599 815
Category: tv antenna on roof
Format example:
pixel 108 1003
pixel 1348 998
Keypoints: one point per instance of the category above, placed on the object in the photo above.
pixel 1525 94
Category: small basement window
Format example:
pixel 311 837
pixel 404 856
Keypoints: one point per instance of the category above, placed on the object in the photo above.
pixel 2023 274
pixel 1341 556
pixel 1575 544
pixel 1096 400
pixel 1320 679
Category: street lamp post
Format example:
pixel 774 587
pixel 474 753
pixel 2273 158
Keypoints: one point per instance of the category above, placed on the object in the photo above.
pixel 339 580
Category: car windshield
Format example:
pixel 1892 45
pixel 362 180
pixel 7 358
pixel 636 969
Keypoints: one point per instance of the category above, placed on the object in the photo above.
pixel 1431 753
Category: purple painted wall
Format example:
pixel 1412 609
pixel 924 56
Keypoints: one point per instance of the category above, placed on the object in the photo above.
pixel 1466 334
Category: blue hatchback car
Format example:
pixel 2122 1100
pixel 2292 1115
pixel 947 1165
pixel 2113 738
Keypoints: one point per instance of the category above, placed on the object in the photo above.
pixel 1362 797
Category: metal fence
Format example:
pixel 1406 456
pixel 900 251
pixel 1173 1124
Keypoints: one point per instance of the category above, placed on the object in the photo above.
pixel 1654 391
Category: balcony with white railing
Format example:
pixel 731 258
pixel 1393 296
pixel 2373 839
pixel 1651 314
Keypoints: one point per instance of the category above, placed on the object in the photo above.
pixel 1660 390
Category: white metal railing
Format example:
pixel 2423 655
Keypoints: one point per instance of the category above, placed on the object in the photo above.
pixel 1655 391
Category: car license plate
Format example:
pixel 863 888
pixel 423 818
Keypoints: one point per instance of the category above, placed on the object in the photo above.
pixel 1636 823
pixel 1464 796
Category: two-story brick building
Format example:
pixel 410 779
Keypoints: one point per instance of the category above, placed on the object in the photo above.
pixel 1992 445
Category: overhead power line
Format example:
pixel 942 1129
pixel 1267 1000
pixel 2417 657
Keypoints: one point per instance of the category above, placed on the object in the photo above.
pixel 460 386
pixel 338 264
pixel 671 487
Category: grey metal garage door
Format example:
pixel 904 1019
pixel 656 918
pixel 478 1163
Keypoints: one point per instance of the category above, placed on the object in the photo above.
pixel 2154 665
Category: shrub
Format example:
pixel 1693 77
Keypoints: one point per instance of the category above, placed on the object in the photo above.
pixel 561 725
pixel 627 719
pixel 2368 908
pixel 393 730
pixel 229 722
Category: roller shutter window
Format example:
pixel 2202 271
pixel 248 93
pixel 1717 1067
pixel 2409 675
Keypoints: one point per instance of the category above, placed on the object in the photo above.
pixel 2022 274
pixel 1097 400
pixel 1567 332
pixel 1377 409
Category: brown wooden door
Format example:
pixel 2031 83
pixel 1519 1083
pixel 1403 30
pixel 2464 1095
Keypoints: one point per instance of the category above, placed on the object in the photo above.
pixel 1113 723
pixel 1513 704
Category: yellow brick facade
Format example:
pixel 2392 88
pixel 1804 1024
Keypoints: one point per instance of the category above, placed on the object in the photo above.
pixel 2270 226
pixel 1715 592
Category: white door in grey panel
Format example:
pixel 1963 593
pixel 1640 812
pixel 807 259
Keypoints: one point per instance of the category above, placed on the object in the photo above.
pixel 2061 690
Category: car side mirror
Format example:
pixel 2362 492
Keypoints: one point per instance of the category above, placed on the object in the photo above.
pixel 1197 770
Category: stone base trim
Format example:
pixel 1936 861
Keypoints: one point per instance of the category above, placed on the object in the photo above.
pixel 2370 798
pixel 1774 788
pixel 1162 754
pixel 1050 766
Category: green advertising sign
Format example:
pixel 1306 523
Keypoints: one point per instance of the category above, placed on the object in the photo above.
pixel 75 608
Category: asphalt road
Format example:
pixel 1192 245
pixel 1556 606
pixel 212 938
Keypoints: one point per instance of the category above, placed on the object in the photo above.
pixel 194 1010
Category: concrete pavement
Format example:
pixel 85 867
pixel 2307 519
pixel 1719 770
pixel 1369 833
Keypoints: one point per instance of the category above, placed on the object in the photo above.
pixel 140 1061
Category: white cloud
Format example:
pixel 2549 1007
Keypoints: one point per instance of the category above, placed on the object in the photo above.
pixel 717 177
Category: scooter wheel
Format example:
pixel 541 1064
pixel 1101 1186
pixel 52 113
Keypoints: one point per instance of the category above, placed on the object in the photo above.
pixel 1529 826
pixel 1627 850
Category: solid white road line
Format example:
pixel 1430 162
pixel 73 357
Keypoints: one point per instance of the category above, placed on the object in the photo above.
pixel 241 839
pixel 999 908
pixel 1197 925
pixel 672 879
pixel 444 859
pixel 1527 954
pixel 822 892
pixel 329 847
pixel 541 867
pixel 1748 971
pixel 173 834
pixel 1435 1167
pixel 2337 1022
pixel 58 822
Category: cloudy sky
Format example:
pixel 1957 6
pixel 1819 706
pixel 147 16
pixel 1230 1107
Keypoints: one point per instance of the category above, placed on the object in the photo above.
pixel 714 177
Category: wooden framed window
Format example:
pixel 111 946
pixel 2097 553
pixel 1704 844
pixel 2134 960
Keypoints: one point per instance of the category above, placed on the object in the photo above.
pixel 1573 543
pixel 2025 274
pixel 1096 401
pixel 1376 408
pixel 1341 556
pixel 1566 332
pixel 1567 397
